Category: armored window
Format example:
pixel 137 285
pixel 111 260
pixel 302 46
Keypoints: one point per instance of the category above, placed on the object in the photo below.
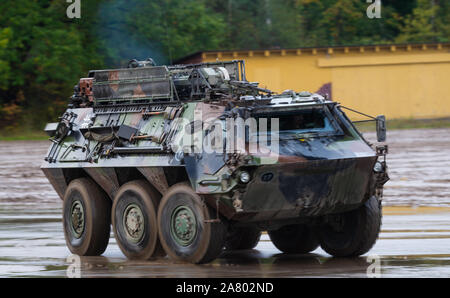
pixel 298 123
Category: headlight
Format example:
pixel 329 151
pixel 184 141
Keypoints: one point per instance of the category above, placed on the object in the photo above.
pixel 378 168
pixel 244 177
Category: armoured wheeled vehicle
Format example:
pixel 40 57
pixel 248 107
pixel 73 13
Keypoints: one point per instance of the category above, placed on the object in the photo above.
pixel 191 160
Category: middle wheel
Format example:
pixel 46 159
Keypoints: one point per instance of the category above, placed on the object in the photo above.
pixel 295 238
pixel 242 238
pixel 185 229
pixel 134 220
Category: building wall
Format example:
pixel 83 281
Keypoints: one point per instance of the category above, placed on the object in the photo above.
pixel 402 81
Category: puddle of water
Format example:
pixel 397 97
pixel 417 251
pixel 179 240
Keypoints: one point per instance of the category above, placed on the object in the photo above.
pixel 414 241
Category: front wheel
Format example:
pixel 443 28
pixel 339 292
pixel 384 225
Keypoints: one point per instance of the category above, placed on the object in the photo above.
pixel 352 233
pixel 186 229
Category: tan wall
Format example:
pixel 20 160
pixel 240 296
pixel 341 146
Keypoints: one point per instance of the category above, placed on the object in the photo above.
pixel 399 81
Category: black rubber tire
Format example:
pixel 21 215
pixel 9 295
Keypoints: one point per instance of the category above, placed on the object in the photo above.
pixel 141 194
pixel 358 234
pixel 298 239
pixel 242 238
pixel 207 243
pixel 97 218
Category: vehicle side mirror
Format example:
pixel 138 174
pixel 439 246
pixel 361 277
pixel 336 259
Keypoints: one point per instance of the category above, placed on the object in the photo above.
pixel 381 128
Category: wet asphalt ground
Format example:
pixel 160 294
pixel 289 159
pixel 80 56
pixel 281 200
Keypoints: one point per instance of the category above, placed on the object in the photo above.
pixel 414 242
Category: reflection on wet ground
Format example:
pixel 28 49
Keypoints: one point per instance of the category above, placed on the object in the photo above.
pixel 413 245
pixel 415 241
pixel 419 167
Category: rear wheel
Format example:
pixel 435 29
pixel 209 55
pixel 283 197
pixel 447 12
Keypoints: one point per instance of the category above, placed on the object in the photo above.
pixel 352 233
pixel 297 238
pixel 185 228
pixel 242 238
pixel 134 220
pixel 86 218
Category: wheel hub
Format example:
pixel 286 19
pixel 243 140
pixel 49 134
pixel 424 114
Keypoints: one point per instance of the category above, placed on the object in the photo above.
pixel 183 225
pixel 133 222
pixel 77 219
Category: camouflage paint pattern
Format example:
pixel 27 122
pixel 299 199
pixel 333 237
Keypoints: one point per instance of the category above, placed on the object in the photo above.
pixel 308 176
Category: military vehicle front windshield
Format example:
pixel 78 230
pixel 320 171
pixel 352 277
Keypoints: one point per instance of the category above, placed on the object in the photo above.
pixel 302 122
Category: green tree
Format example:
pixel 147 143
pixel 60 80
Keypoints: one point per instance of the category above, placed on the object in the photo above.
pixel 42 54
pixel 427 23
